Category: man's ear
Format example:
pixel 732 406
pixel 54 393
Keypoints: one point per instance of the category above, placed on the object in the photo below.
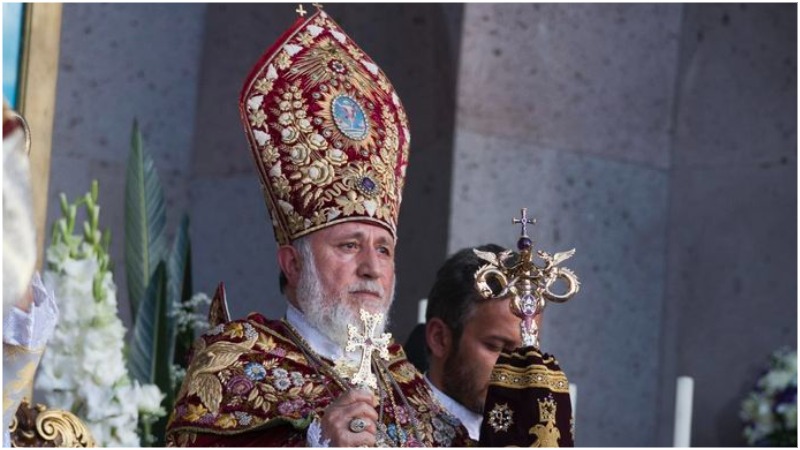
pixel 290 264
pixel 439 337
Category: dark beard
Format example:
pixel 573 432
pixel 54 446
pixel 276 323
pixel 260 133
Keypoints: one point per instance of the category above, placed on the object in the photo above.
pixel 460 383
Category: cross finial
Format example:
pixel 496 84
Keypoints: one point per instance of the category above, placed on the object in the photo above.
pixel 524 221
pixel 300 11
pixel 368 343
pixel 317 5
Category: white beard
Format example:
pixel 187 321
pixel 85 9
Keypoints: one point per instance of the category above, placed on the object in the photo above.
pixel 331 313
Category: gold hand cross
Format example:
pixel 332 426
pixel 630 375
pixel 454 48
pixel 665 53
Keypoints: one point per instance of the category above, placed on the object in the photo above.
pixel 368 342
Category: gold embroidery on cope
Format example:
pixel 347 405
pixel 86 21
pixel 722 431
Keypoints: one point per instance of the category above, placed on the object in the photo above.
pixel 212 359
pixel 532 376
pixel 547 435
pixel 501 417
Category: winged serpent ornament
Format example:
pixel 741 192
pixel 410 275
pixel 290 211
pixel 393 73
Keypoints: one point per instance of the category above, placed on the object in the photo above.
pixel 529 284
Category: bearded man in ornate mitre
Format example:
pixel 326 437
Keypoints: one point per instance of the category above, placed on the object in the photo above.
pixel 330 140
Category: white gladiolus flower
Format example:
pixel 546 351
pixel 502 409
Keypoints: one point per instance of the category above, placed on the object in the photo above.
pixel 100 433
pixel 81 271
pixel 128 398
pixel 83 368
pixel 149 400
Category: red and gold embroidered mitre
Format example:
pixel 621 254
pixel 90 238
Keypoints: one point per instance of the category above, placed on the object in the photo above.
pixel 327 130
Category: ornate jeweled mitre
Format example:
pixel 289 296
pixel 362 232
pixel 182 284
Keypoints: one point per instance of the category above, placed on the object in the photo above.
pixel 327 130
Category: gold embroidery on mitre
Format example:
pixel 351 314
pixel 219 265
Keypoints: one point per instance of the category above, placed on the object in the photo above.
pixel 328 131
pixel 329 63
pixel 547 435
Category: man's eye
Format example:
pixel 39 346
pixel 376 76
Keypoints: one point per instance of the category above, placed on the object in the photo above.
pixel 385 250
pixel 349 246
pixel 493 347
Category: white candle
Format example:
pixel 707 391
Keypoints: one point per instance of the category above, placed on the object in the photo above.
pixel 683 412
pixel 423 306
pixel 573 397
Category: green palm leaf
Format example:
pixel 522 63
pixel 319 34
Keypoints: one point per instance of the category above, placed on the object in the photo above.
pixel 153 346
pixel 145 219
pixel 153 341
pixel 180 284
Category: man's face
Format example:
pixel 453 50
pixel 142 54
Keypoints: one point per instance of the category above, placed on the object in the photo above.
pixel 353 268
pixel 490 329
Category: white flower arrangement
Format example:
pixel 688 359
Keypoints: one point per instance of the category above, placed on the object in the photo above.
pixel 188 321
pixel 83 369
pixel 769 412
pixel 188 317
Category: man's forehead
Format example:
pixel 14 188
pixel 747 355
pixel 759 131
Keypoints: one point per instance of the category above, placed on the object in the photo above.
pixel 495 312
pixel 355 229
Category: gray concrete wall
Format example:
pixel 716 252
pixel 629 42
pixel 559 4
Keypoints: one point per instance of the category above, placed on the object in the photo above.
pixel 231 230
pixel 660 141
pixel 732 261
pixel 566 110
pixel 417 47
pixel 117 63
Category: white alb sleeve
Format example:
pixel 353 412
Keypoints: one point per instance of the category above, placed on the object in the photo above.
pixel 32 329
pixel 314 436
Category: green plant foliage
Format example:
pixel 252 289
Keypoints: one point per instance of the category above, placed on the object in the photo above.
pixel 153 341
pixel 159 285
pixel 180 285
pixel 153 344
pixel 145 221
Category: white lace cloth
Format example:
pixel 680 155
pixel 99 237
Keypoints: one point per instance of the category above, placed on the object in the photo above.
pixel 32 329
pixel 314 435
pixel 25 335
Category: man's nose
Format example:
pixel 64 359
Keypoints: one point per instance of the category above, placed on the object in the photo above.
pixel 368 264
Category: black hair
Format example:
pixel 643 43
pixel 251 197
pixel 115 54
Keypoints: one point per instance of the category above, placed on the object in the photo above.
pixel 453 295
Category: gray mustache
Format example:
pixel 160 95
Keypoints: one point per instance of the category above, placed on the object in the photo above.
pixel 367 286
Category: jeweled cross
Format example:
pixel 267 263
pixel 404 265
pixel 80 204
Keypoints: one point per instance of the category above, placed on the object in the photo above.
pixel 368 343
pixel 300 11
pixel 524 221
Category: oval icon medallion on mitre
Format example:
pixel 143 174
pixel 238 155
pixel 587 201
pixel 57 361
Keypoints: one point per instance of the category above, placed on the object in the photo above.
pixel 349 117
